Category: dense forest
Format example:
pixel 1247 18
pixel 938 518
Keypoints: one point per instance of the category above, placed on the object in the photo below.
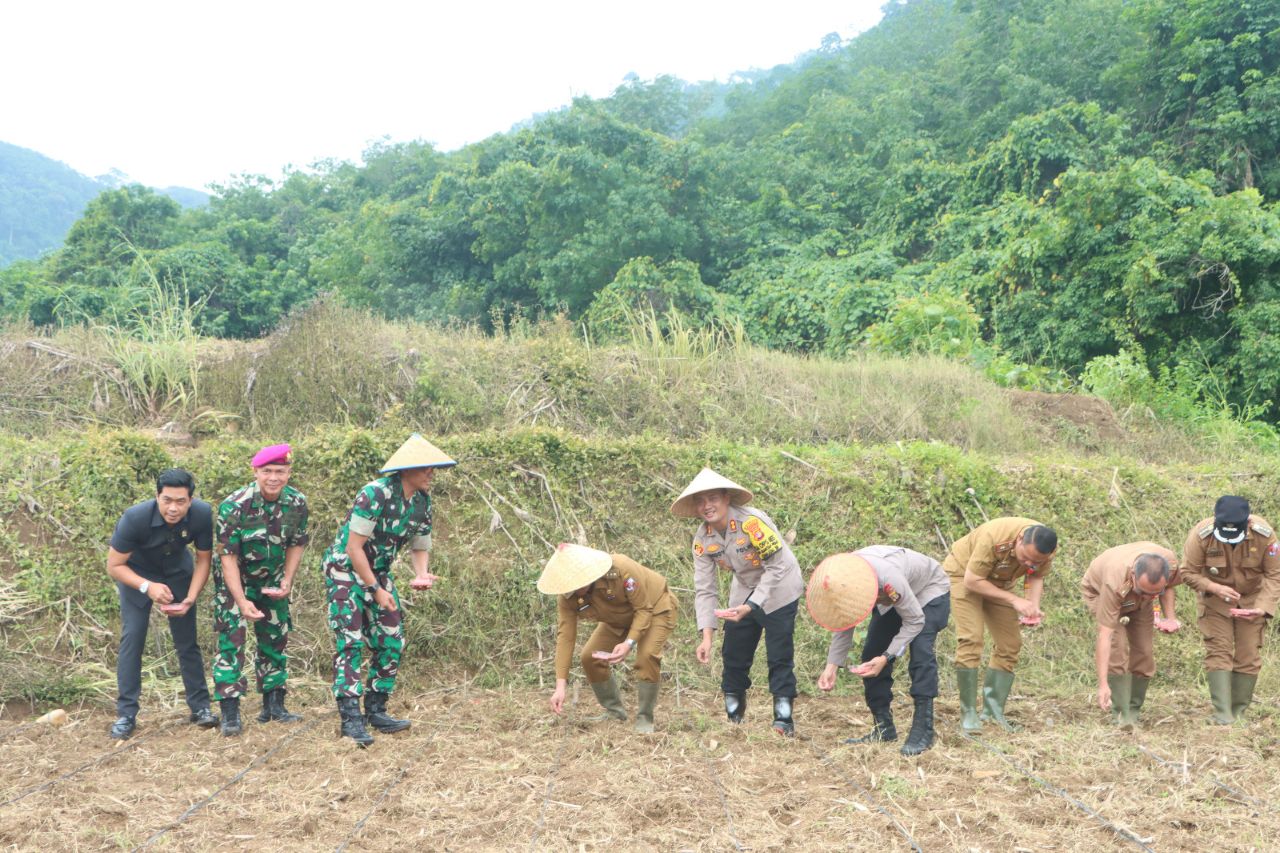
pixel 1049 188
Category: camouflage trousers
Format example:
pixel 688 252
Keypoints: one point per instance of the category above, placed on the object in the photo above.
pixel 357 622
pixel 271 661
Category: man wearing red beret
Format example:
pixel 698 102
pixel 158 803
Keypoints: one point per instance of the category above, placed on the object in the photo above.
pixel 262 530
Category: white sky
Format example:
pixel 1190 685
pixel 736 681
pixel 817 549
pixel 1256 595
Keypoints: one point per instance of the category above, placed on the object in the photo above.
pixel 183 93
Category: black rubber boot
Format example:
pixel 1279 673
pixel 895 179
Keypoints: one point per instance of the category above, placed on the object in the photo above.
pixel 231 725
pixel 375 714
pixel 273 709
pixel 921 736
pixel 881 730
pixel 782 723
pixel 352 724
pixel 735 706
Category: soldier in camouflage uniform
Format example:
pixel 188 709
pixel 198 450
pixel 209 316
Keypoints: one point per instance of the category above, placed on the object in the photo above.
pixel 364 605
pixel 262 531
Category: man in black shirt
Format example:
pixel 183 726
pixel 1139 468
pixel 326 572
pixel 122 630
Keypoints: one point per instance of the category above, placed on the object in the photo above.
pixel 149 561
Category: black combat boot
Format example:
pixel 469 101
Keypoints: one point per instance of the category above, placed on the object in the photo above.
pixel 881 730
pixel 921 735
pixel 735 705
pixel 375 714
pixel 782 723
pixel 273 709
pixel 231 725
pixel 352 724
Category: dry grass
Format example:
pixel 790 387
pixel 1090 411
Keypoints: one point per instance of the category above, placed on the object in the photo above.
pixel 495 771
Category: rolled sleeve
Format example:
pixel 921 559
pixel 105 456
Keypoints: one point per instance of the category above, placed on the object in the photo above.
pixel 361 526
pixel 420 543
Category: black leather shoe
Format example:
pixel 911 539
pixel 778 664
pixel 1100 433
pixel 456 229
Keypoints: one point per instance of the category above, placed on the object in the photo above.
pixel 735 706
pixel 782 723
pixel 375 714
pixel 273 709
pixel 204 718
pixel 231 725
pixel 123 728
pixel 352 724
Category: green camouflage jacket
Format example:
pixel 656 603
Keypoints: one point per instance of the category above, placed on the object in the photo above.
pixel 257 532
pixel 381 513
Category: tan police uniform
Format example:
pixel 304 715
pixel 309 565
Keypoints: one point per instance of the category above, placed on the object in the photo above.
pixel 988 552
pixel 1252 568
pixel 630 602
pixel 1110 594
pixel 765 571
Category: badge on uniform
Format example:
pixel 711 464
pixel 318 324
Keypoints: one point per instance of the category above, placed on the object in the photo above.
pixel 630 585
pixel 733 526
pixel 892 594
pixel 1124 620
pixel 184 533
pixel 712 548
pixel 766 542
pixel 742 540
pixel 697 549
pixel 1273 549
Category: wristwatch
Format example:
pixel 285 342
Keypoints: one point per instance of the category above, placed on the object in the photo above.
pixel 371 590
pixel 144 586
pixel 631 642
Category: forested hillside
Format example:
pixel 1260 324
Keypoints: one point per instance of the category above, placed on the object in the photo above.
pixel 1032 185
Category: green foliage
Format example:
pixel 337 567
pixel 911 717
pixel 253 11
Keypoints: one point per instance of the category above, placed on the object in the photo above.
pixel 941 323
pixel 642 287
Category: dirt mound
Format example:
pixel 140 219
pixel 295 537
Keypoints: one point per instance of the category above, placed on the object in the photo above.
pixel 1091 418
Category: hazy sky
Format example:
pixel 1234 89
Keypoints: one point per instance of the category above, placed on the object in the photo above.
pixel 192 93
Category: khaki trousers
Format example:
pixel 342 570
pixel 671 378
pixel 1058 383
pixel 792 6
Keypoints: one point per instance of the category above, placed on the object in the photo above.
pixel 972 615
pixel 648 660
pixel 1231 644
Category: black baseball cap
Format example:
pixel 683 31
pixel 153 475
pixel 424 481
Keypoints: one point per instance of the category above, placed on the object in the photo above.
pixel 1230 519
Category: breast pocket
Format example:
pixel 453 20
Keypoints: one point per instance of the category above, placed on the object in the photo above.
pixel 1248 580
pixel 1216 569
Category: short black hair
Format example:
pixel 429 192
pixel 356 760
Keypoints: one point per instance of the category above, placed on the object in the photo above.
pixel 1044 538
pixel 176 477
pixel 1152 567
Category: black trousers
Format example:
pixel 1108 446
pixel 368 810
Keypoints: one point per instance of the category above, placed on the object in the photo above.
pixel 924 661
pixel 135 613
pixel 739 649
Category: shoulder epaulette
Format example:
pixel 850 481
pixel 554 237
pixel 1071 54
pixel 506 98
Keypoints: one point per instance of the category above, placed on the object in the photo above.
pixel 1261 529
pixel 1204 532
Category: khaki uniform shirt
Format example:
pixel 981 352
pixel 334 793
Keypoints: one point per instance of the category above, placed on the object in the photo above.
pixel 626 597
pixel 988 552
pixel 1251 567
pixel 1108 587
pixel 908 581
pixel 765 572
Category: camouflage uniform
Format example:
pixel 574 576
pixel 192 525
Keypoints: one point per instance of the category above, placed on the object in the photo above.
pixel 257 532
pixel 381 513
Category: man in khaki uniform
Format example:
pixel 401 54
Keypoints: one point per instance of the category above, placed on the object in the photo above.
pixel 1233 561
pixel 636 611
pixel 1118 589
pixel 983 567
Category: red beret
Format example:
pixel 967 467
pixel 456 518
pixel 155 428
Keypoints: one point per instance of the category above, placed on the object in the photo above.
pixel 276 454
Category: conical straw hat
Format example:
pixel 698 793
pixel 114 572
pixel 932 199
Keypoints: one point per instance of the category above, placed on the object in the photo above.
pixel 572 567
pixel 707 480
pixel 417 452
pixel 842 591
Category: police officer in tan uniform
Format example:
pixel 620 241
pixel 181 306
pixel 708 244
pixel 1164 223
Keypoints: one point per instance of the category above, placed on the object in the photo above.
pixel 983 566
pixel 763 597
pixel 636 612
pixel 1233 561
pixel 1119 589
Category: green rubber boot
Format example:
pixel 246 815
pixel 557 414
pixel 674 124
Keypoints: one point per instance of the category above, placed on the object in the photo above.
pixel 1137 698
pixel 1220 696
pixel 1241 692
pixel 647 693
pixel 995 693
pixel 608 697
pixel 967 681
pixel 1121 694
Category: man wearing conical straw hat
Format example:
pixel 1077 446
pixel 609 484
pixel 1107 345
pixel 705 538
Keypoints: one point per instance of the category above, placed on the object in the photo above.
pixel 364 605
pixel 908 597
pixel 636 612
pixel 763 598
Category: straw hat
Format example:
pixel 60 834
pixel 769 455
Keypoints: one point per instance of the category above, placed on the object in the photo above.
pixel 572 567
pixel 417 452
pixel 707 480
pixel 842 591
